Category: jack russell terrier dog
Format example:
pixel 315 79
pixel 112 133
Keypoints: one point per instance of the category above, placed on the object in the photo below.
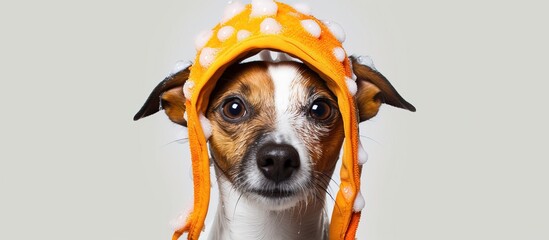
pixel 276 138
pixel 273 130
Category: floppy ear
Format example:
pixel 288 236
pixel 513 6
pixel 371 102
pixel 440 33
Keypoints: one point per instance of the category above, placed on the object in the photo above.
pixel 167 95
pixel 373 90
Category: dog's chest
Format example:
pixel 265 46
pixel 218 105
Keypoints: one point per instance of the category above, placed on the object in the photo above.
pixel 238 218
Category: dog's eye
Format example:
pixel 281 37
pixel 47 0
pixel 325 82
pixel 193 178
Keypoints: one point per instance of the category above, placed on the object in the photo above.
pixel 320 110
pixel 234 109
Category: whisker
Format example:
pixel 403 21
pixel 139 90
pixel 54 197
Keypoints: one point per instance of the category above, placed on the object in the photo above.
pixel 180 141
pixel 237 201
pixel 369 138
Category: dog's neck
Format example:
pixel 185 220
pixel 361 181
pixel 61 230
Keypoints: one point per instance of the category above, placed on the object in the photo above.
pixel 240 218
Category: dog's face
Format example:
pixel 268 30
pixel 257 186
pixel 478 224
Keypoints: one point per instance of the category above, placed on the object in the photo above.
pixel 276 127
pixel 276 131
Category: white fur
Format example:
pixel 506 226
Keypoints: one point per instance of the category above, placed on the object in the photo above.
pixel 238 217
pixel 251 216
pixel 283 75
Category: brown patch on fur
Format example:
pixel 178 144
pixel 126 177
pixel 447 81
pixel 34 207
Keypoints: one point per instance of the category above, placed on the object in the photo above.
pixel 252 83
pixel 167 95
pixel 230 141
pixel 373 90
pixel 173 102
pixel 368 100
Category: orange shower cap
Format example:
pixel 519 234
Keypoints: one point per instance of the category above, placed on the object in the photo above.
pixel 244 31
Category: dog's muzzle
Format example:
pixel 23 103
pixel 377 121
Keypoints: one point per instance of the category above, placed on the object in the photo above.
pixel 277 162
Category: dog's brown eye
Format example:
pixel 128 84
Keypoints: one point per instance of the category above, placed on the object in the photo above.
pixel 234 109
pixel 320 110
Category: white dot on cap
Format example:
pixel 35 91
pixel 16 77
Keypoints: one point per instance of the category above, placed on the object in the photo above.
pixel 263 8
pixel 311 27
pixel 202 38
pixel 225 33
pixel 351 85
pixel 233 9
pixel 302 8
pixel 180 66
pixel 179 222
pixel 270 26
pixel 367 61
pixel 359 203
pixel 188 89
pixel 336 30
pixel 207 56
pixel 243 34
pixel 362 154
pixel 339 54
pixel 206 126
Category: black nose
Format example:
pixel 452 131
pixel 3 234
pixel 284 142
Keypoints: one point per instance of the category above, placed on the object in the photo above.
pixel 277 161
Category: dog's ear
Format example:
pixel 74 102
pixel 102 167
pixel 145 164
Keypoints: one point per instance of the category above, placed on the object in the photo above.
pixel 167 95
pixel 373 89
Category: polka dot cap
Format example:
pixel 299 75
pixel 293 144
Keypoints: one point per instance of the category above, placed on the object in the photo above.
pixel 243 31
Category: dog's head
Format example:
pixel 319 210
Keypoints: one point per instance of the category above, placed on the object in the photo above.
pixel 276 128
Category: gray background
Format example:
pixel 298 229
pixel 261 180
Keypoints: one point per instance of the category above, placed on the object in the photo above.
pixel 470 164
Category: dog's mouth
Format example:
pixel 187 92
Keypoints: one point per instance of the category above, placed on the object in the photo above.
pixel 274 193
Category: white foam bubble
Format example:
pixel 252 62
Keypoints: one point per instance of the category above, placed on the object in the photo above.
pixel 339 54
pixel 179 222
pixel 207 56
pixel 180 66
pixel 188 89
pixel 262 8
pixel 206 126
pixel 367 61
pixel 359 203
pixel 362 154
pixel 202 38
pixel 336 30
pixel 225 33
pixel 311 27
pixel 302 8
pixel 233 9
pixel 270 26
pixel 351 85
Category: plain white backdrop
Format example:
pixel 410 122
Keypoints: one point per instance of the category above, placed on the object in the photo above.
pixel 471 163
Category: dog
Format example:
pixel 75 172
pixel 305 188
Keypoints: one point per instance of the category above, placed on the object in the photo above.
pixel 276 138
